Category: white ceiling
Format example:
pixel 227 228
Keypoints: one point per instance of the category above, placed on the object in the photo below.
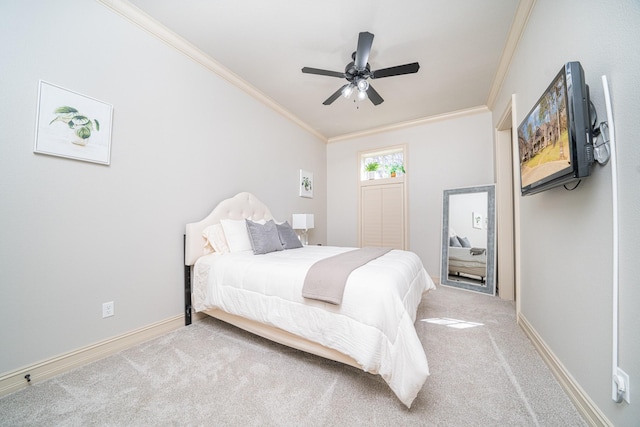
pixel 458 43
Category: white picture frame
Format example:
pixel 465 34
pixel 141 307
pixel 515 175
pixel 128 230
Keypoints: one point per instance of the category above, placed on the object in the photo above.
pixel 305 184
pixel 477 220
pixel 72 125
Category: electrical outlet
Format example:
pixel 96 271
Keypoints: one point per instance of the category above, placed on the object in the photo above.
pixel 626 395
pixel 107 309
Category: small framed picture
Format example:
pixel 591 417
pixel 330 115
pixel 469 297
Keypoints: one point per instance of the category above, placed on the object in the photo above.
pixel 72 125
pixel 477 220
pixel 305 184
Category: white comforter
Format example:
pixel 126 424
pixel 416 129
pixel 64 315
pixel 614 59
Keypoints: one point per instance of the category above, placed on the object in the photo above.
pixel 374 324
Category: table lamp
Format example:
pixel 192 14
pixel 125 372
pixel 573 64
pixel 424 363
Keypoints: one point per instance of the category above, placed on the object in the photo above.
pixel 303 222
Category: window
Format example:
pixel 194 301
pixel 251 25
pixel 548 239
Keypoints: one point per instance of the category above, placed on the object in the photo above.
pixel 382 164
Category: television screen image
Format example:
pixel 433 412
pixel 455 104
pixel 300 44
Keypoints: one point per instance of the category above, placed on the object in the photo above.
pixel 555 139
pixel 544 136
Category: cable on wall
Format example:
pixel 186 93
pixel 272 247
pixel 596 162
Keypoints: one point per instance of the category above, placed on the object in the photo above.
pixel 620 381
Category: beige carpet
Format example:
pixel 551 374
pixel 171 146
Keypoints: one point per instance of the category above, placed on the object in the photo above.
pixel 213 374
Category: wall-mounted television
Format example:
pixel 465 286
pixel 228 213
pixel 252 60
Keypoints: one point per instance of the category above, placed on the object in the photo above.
pixel 555 140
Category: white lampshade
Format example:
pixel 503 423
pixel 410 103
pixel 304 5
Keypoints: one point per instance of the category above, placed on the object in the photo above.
pixel 302 221
pixel 363 85
pixel 348 90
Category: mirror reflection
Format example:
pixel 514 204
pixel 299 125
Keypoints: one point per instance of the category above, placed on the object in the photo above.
pixel 468 238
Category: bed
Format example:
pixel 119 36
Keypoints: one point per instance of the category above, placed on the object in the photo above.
pixel 372 328
pixel 470 261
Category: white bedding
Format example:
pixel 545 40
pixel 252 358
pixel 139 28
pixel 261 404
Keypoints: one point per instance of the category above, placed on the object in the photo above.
pixel 375 322
pixel 462 257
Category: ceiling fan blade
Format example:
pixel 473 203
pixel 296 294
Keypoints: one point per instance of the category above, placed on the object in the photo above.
pixel 335 95
pixel 396 71
pixel 365 40
pixel 310 70
pixel 374 96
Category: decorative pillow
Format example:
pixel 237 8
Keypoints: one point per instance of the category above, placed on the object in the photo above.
pixel 464 242
pixel 453 241
pixel 288 237
pixel 263 237
pixel 236 234
pixel 215 239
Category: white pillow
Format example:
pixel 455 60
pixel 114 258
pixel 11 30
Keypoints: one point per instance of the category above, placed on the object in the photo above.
pixel 236 234
pixel 215 239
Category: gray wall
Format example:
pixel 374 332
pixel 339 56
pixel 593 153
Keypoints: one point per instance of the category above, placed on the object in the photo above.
pixel 449 153
pixel 566 248
pixel 77 234
pixel 74 234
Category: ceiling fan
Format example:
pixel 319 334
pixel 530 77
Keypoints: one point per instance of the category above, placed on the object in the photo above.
pixel 358 71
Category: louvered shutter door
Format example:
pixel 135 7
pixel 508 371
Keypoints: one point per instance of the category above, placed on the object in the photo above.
pixel 382 219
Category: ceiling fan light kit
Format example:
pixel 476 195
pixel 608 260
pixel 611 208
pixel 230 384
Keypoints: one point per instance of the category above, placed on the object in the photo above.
pixel 358 71
pixel 348 90
pixel 363 85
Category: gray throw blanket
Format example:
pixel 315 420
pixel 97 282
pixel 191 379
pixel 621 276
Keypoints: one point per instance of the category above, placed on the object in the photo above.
pixel 326 279
pixel 477 251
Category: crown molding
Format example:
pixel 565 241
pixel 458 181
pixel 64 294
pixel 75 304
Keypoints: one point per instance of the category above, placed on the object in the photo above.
pixel 137 17
pixel 410 123
pixel 525 7
pixel 156 29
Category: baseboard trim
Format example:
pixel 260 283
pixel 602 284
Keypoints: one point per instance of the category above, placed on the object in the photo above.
pixel 15 380
pixel 578 396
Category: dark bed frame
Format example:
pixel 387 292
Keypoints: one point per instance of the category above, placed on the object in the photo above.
pixel 187 286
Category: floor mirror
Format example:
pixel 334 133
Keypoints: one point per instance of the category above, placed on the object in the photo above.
pixel 468 239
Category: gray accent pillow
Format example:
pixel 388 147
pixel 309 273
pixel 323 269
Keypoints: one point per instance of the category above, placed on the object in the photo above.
pixel 453 241
pixel 264 238
pixel 464 242
pixel 288 237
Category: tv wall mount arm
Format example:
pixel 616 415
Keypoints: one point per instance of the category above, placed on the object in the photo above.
pixel 601 148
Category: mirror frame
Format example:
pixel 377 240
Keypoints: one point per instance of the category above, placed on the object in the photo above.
pixel 490 282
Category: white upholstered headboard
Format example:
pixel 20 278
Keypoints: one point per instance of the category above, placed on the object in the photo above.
pixel 241 206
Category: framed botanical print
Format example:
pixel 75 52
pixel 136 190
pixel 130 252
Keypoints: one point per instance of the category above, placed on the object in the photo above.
pixel 305 184
pixel 72 125
pixel 477 220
